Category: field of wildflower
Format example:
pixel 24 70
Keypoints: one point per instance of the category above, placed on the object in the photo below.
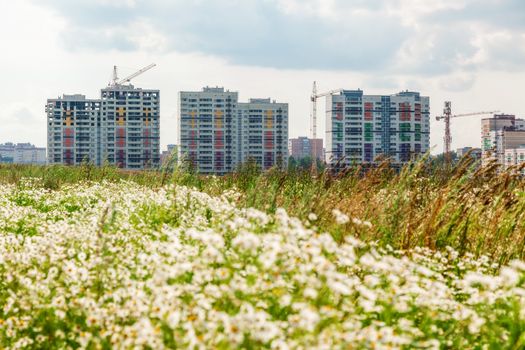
pixel 103 263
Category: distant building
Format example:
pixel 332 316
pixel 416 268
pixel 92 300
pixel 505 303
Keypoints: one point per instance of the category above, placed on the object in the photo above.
pixel 218 132
pixel 121 128
pixel 302 147
pixel 514 156
pixel 206 126
pixel 73 132
pixel 499 133
pixel 130 127
pixel 22 153
pixel 170 155
pixel 317 149
pixel 474 152
pixel 360 128
pixel 263 126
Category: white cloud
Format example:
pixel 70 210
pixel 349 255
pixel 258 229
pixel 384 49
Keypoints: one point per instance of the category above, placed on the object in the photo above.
pixel 410 36
pixel 457 82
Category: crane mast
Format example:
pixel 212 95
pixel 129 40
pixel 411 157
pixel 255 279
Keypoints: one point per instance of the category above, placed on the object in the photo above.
pixel 447 112
pixel 447 115
pixel 313 98
pixel 313 121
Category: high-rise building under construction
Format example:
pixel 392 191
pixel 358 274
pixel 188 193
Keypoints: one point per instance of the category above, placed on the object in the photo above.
pixel 122 128
pixel 217 132
pixel 360 128
pixel 130 127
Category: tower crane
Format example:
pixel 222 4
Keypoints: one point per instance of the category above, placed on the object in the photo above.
pixel 314 98
pixel 116 81
pixel 447 115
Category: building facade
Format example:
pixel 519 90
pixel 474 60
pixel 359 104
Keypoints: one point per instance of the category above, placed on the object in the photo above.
pixel 122 128
pixel 72 130
pixel 207 137
pixel 22 153
pixel 217 133
pixel 514 156
pixel 303 147
pixel 475 153
pixel 360 128
pixel 499 133
pixel 130 127
pixel 263 127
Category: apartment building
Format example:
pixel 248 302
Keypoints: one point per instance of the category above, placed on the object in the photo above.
pixel 360 128
pixel 208 136
pixel 130 127
pixel 514 156
pixel 498 133
pixel 73 130
pixel 22 153
pixel 121 128
pixel 475 153
pixel 263 127
pixel 218 133
pixel 302 147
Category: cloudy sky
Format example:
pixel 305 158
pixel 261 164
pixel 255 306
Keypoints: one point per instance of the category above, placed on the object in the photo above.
pixel 471 52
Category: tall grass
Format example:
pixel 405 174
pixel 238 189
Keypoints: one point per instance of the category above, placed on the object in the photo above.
pixel 472 209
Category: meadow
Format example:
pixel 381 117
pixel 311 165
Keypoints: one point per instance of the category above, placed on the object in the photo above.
pixel 425 258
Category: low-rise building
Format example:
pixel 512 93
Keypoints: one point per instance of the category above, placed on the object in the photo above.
pixel 473 152
pixel 170 155
pixel 303 147
pixel 22 153
pixel 514 156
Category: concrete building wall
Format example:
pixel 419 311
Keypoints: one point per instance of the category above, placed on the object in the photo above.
pixel 361 127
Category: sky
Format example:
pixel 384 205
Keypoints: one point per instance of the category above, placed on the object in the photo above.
pixel 471 52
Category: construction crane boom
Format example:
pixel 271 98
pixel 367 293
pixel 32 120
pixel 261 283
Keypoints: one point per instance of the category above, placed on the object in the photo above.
pixel 314 98
pixel 329 93
pixel 127 79
pixel 441 117
pixel 447 115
